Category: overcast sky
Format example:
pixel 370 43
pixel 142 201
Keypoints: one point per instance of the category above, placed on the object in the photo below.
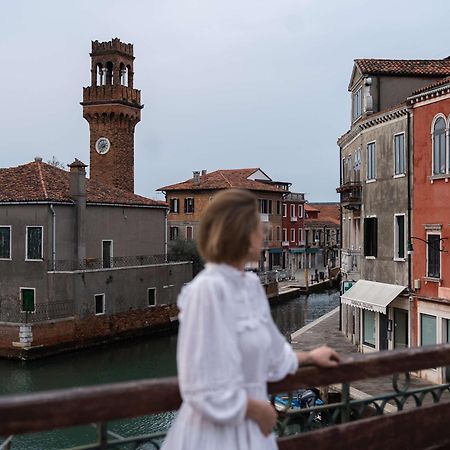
pixel 225 83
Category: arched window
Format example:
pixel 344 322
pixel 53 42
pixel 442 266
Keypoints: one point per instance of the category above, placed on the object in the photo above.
pixel 123 75
pixel 100 76
pixel 109 73
pixel 439 147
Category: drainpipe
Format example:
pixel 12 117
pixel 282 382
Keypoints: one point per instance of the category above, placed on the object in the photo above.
pixel 52 209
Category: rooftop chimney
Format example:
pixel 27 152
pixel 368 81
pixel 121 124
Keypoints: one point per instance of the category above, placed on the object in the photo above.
pixel 78 194
pixel 196 177
pixel 38 159
pixel 204 172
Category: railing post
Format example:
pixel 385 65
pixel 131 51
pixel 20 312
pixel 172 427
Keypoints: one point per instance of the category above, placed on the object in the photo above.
pixel 102 436
pixel 345 412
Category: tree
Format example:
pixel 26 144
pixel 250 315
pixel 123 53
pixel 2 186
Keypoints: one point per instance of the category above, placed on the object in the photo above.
pixel 184 250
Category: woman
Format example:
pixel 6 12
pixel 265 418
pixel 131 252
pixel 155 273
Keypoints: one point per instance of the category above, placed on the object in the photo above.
pixel 228 344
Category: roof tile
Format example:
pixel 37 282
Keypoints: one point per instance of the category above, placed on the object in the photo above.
pixel 411 67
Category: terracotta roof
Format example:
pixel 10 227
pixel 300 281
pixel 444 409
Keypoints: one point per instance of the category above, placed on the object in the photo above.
pixel 322 221
pixel 308 207
pixel 328 210
pixel 224 179
pixel 38 181
pixel 408 67
pixel 432 86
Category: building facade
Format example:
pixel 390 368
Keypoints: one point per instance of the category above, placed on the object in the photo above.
pixel 376 175
pixel 431 219
pixel 189 198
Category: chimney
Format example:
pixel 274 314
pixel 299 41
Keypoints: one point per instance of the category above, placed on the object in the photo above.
pixel 196 177
pixel 38 159
pixel 204 172
pixel 78 194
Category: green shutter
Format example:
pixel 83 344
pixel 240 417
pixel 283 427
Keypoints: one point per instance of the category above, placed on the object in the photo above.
pixel 28 300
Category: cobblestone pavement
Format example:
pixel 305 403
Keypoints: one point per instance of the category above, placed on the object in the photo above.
pixel 326 331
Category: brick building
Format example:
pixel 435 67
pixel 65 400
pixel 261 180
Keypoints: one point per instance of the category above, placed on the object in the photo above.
pixel 188 199
pixel 83 261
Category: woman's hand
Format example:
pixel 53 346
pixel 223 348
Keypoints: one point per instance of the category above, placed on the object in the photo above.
pixel 322 356
pixel 263 413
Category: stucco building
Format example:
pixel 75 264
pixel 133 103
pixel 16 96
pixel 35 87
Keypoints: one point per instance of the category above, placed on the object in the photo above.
pixel 375 190
pixel 188 199
pixel 431 218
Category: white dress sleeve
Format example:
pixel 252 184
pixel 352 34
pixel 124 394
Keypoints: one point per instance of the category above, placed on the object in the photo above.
pixel 209 361
pixel 282 358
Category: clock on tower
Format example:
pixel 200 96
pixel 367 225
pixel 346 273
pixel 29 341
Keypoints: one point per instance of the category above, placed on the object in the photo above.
pixel 113 108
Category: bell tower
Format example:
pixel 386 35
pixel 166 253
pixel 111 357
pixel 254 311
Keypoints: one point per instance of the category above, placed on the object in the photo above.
pixel 113 108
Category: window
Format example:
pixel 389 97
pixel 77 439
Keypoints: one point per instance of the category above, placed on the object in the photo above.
pixel 300 211
pixel 369 328
pixel 285 237
pixel 399 154
pixel 293 211
pixel 189 233
pixel 439 147
pixel 173 233
pixel 338 237
pixel 99 300
pixel 357 165
pixel 34 243
pixel 399 236
pixel 174 205
pixel 151 296
pixel 278 207
pixel 427 329
pixel 5 242
pixel 28 299
pixel 189 205
pixel 107 254
pixel 434 256
pixel 370 236
pixel 357 104
pixel 292 234
pixel 300 235
pixel 446 329
pixel 284 210
pixel 265 206
pixel 278 233
pixel 371 168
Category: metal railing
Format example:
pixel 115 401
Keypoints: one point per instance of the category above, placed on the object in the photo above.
pixel 412 418
pixel 11 310
pixel 109 263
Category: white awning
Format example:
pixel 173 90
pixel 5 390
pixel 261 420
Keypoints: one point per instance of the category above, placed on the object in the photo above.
pixel 371 295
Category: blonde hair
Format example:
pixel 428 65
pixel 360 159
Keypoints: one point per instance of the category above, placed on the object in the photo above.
pixel 226 226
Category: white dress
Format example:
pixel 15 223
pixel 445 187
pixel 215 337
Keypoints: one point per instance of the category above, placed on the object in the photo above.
pixel 228 349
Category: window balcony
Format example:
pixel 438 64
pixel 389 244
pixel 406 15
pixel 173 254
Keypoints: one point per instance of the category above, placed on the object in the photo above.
pixel 285 243
pixel 294 218
pixel 351 195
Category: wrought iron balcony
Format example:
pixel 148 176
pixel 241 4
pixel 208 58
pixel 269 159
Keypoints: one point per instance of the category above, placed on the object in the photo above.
pixel 410 417
pixel 351 195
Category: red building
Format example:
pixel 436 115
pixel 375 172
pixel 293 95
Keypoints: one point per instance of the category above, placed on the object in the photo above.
pixel 430 312
pixel 293 231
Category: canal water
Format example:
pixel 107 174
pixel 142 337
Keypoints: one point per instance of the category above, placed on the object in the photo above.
pixel 149 357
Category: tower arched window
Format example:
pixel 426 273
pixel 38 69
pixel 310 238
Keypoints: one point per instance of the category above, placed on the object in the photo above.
pixel 123 75
pixel 439 147
pixel 109 73
pixel 100 75
pixel 129 76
